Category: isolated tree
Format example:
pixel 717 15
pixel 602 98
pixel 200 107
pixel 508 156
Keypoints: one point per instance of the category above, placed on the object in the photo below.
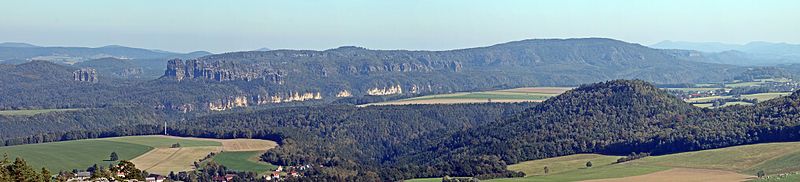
pixel 589 164
pixel 114 156
pixel 761 173
pixel 176 145
pixel 546 170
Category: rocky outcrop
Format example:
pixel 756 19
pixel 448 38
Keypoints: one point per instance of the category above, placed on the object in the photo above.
pixel 287 97
pixel 392 90
pixel 184 107
pixel 228 103
pixel 344 93
pixel 197 69
pixel 85 75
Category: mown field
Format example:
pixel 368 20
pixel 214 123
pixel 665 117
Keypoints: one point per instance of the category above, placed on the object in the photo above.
pixel 32 112
pixel 760 96
pixel 527 94
pixel 80 154
pixel 731 163
pixel 740 163
pixel 243 161
pixel 151 153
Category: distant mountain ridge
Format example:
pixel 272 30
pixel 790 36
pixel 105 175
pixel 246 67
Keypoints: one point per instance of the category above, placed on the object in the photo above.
pixel 22 52
pixel 753 53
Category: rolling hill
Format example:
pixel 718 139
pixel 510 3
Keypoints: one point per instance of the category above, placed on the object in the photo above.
pixel 69 55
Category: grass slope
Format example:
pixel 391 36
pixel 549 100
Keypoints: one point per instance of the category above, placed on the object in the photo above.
pixel 243 161
pixel 164 142
pixel 572 168
pixel 773 158
pixel 78 154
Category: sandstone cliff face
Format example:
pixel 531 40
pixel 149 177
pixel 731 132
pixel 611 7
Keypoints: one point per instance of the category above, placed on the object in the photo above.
pixel 392 90
pixel 228 103
pixel 85 75
pixel 200 70
pixel 344 93
pixel 276 98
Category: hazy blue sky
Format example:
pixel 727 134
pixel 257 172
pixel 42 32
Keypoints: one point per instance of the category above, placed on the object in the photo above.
pixel 220 26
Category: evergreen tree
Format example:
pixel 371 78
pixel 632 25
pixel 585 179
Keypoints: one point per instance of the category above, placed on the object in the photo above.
pixel 589 164
pixel 21 172
pixel 114 156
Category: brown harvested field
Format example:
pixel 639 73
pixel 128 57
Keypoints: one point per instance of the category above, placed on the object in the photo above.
pixel 525 94
pixel 239 144
pixel 546 90
pixel 162 160
pixel 683 175
pixel 247 145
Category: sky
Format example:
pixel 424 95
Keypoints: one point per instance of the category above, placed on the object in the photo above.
pixel 236 25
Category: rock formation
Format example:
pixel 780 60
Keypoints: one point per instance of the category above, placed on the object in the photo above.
pixel 385 91
pixel 344 93
pixel 85 75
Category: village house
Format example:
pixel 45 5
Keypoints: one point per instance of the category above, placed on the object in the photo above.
pixel 154 178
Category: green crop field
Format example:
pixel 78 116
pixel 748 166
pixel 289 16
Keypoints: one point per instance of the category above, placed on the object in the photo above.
pixel 243 161
pixel 32 112
pixel 766 96
pixel 693 89
pixel 572 168
pixel 78 154
pixel 773 158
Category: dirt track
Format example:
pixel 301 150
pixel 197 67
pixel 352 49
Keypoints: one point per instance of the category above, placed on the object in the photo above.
pixel 683 175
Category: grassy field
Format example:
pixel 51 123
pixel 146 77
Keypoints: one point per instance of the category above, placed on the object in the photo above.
pixel 693 89
pixel 761 97
pixel 527 94
pixel 737 162
pixel 32 112
pixel 766 96
pixel 78 154
pixel 151 153
pixel 243 161
pixel 165 142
